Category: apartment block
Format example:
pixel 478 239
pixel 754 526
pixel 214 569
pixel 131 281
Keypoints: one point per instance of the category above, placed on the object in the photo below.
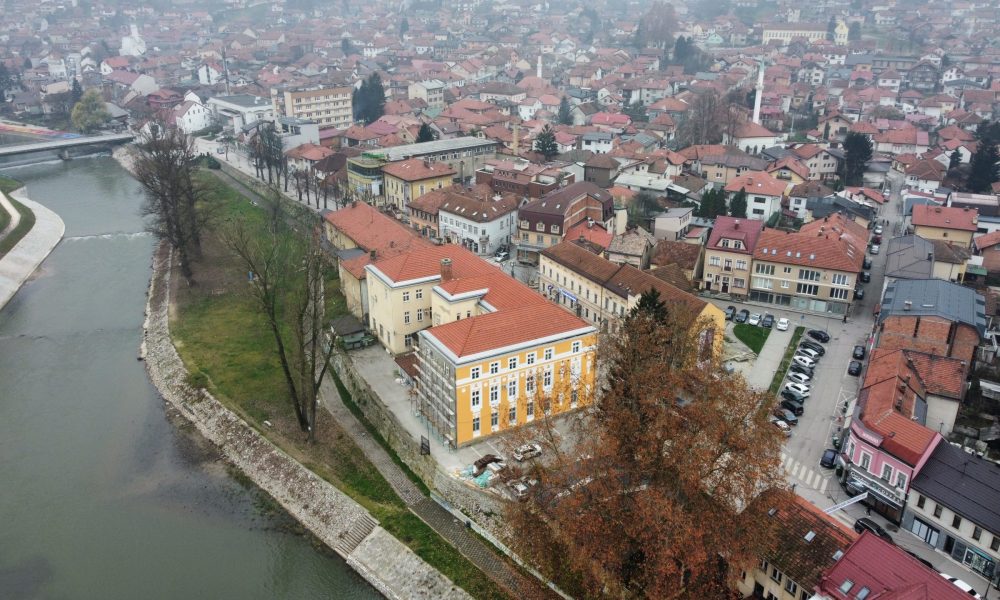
pixel 324 105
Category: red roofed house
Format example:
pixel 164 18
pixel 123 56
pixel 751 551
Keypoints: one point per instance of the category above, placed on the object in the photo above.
pixel 357 234
pixel 407 180
pixel 947 223
pixel 751 137
pixel 305 156
pixel 813 270
pixel 492 353
pixel 886 571
pixel 764 193
pixel 728 256
pixel 926 175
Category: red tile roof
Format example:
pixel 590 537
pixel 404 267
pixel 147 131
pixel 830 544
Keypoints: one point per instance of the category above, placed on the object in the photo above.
pixel 372 230
pixel 595 234
pixel 416 169
pixel 822 251
pixel 745 230
pixel 946 217
pixel 757 182
pixel 888 572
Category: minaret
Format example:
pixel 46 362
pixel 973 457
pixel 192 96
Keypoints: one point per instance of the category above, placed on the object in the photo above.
pixel 514 145
pixel 759 95
pixel 538 69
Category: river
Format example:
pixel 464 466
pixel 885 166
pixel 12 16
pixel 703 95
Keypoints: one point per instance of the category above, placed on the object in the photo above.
pixel 101 496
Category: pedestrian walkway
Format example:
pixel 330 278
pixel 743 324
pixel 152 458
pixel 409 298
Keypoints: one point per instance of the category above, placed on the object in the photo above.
pixel 440 520
pixel 801 475
pixel 15 215
pixel 23 259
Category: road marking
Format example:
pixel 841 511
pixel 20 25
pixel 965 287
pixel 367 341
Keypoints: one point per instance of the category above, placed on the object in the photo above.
pixel 808 477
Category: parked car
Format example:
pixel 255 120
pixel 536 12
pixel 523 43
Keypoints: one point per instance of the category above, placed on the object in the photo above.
pixel 787 416
pixel 805 361
pixel 782 426
pixel 799 388
pixel 754 319
pixel 854 369
pixel 829 458
pixel 858 353
pixel 730 312
pixel 790 395
pixel 813 346
pixel 522 486
pixel 796 407
pixel 807 351
pixel 782 324
pixel 878 230
pixel 797 368
pixel 799 377
pixel 501 256
pixel 968 589
pixel 865 277
pixel 866 524
pixel 859 293
pixel 819 335
pixel 867 264
pixel 527 451
pixel 742 316
pixel 875 248
pixel 877 240
pixel 767 321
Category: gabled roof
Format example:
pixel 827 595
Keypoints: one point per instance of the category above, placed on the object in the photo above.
pixel 416 169
pixel 757 182
pixel 963 482
pixel 746 231
pixel 372 230
pixel 945 217
pixel 821 251
pixel 934 297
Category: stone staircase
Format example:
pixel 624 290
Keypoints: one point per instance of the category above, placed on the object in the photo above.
pixel 355 535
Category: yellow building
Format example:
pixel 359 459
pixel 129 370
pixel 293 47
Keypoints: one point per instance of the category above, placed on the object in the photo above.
pixel 603 292
pixel 408 180
pixel 492 353
pixel 949 224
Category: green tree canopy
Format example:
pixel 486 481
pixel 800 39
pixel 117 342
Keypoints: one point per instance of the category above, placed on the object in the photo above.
pixel 426 134
pixel 90 112
pixel 738 204
pixel 369 99
pixel 545 143
pixel 857 153
pixel 565 116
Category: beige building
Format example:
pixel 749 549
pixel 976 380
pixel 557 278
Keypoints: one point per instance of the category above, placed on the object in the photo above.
pixel 947 223
pixel 326 106
pixel 408 180
pixel 544 222
pixel 786 32
pixel 430 91
pixel 728 256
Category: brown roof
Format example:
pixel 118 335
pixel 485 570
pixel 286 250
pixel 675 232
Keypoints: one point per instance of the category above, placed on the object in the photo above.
pixel 482 207
pixel 682 254
pixel 674 275
pixel 945 217
pixel 757 182
pixel 821 251
pixel 949 253
pixel 623 280
pixel 416 169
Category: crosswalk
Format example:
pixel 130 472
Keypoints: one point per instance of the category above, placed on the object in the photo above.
pixel 803 475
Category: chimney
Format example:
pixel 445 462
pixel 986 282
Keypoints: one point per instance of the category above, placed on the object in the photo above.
pixel 907 304
pixel 446 269
pixel 372 255
pixel 736 224
pixel 427 164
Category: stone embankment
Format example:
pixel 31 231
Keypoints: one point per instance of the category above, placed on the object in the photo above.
pixel 25 257
pixel 332 516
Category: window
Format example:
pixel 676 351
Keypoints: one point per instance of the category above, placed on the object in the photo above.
pixel 839 279
pixel 977 533
pixel 775 574
pixel 573 397
pixel 791 587
pixel 741 265
pixel 406 317
pixel 477 399
pixel 956 522
pixel 715 261
pixel 406 296
pixel 901 481
pixel 808 275
pixel 808 289
pixel 494 367
pixel 547 379
pixel 866 460
pixel 995 543
pixel 921 501
pixel 763 269
pixel 886 472
pixel 529 384
pixel 475 425
pixel 576 347
pixel 531 409
pixel 494 395
pixel 512 415
pixel 937 511
pixel 474 373
pixel 739 282
pixel 512 389
pixel 419 294
pixel 548 354
pixel 540 226
pixel 846 586
pixel 839 293
pixel 495 420
pixel 512 362
pixel 530 359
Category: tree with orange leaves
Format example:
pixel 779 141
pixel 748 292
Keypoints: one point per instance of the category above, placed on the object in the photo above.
pixel 654 499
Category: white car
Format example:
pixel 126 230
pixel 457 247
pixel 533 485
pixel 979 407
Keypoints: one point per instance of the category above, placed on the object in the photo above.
pixel 799 388
pixel 968 589
pixel 799 377
pixel 803 351
pixel 782 426
pixel 805 361
pixel 754 319
pixel 527 451
pixel 875 248
pixel 782 324
pixel 878 230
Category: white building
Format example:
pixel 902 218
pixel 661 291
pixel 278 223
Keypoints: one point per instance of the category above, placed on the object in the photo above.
pixel 133 44
pixel 191 115
pixel 234 112
pixel 482 225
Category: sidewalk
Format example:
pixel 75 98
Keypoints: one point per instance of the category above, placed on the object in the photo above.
pixel 440 520
pixel 24 258
pixel 15 216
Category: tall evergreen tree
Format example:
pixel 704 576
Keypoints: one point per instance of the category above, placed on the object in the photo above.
pixel 954 160
pixel 857 153
pixel 565 116
pixel 545 143
pixel 983 168
pixel 76 92
pixel 426 134
pixel 738 205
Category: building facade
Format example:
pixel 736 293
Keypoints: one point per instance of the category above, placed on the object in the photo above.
pixel 544 222
pixel 325 105
pixel 729 256
pixel 408 180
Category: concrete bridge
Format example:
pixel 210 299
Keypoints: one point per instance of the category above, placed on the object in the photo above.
pixel 64 145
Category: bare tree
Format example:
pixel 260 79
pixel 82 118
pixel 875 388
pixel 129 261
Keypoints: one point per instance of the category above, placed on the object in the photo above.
pixel 287 269
pixel 164 165
pixel 703 124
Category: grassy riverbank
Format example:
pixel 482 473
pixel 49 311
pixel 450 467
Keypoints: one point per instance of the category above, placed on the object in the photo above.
pixel 8 185
pixel 225 343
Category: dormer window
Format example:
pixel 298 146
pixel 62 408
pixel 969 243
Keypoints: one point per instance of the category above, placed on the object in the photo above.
pixel 725 243
pixel 540 226
pixel 555 229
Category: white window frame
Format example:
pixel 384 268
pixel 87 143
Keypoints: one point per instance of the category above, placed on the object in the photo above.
pixel 476 399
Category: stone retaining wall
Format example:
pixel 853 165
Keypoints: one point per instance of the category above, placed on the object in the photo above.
pixel 328 513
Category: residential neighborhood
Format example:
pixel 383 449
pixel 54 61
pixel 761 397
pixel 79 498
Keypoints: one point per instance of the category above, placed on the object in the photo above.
pixel 605 299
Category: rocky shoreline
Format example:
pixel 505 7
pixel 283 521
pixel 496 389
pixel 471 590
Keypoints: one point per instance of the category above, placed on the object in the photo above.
pixel 333 517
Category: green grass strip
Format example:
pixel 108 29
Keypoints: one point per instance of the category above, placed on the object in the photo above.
pixel 779 375
pixel 22 229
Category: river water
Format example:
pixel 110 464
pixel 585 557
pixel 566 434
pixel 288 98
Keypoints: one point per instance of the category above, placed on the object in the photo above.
pixel 100 495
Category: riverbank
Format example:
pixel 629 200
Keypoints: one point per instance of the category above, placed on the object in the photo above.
pixel 24 258
pixel 333 517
